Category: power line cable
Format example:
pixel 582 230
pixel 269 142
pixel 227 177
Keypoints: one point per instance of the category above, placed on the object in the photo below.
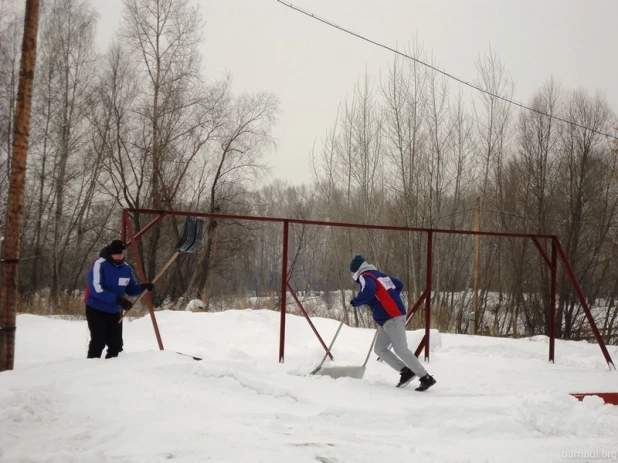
pixel 521 105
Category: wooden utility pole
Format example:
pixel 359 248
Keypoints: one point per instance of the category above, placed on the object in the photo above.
pixel 477 267
pixel 15 200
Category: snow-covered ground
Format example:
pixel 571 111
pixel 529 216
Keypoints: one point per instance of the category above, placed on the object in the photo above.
pixel 496 400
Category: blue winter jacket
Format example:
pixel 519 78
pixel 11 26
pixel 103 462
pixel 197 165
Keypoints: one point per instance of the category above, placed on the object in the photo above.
pixel 380 292
pixel 107 280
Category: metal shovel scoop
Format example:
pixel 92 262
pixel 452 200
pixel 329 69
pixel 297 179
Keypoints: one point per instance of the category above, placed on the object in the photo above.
pixel 190 241
pixel 352 371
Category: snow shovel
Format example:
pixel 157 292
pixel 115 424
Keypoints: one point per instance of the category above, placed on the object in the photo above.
pixel 356 372
pixel 189 242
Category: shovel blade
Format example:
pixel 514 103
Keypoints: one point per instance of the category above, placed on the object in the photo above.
pixel 188 235
pixel 199 236
pixel 342 372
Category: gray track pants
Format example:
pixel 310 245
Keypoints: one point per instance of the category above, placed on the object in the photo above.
pixel 394 332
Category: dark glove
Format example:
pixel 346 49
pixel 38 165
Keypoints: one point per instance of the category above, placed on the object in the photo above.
pixel 124 303
pixel 352 303
pixel 148 286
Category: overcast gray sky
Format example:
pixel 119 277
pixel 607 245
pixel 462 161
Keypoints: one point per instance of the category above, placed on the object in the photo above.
pixel 312 67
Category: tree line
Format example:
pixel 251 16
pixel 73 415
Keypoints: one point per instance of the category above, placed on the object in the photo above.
pixel 140 126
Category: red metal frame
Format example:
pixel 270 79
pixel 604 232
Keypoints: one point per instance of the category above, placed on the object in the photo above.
pixel 152 223
pixel 284 279
pixel 608 397
pixel 417 306
pixel 556 252
pixel 582 301
pixel 300 305
pixel 142 275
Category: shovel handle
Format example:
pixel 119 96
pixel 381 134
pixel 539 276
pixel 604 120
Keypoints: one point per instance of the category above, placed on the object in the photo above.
pixel 371 347
pixel 165 267
pixel 329 348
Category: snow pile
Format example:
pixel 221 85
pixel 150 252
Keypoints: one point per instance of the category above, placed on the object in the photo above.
pixel 566 416
pixel 496 399
pixel 195 305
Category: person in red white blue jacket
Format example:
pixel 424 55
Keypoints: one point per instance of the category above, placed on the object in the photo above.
pixel 110 278
pixel 382 293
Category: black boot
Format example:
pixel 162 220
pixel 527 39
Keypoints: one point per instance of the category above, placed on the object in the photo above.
pixel 406 376
pixel 426 382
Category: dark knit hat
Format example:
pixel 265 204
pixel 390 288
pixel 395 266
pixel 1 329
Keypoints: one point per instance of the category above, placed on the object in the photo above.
pixel 116 247
pixel 356 262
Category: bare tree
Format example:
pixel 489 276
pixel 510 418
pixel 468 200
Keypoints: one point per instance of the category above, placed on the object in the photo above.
pixel 492 120
pixel 532 189
pixel 69 31
pixel 586 197
pixel 243 137
pixel 162 36
pixel 405 107
pixel 456 253
pixel 353 168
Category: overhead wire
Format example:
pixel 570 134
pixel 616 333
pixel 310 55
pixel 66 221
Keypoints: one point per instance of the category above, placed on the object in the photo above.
pixel 450 76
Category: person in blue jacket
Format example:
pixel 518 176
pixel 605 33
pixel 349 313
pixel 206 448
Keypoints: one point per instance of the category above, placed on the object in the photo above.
pixel 110 278
pixel 382 294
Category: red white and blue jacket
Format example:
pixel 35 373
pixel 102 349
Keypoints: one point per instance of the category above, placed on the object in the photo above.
pixel 380 292
pixel 107 280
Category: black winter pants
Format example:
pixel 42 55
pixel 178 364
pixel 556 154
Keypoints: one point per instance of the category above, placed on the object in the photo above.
pixel 104 330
